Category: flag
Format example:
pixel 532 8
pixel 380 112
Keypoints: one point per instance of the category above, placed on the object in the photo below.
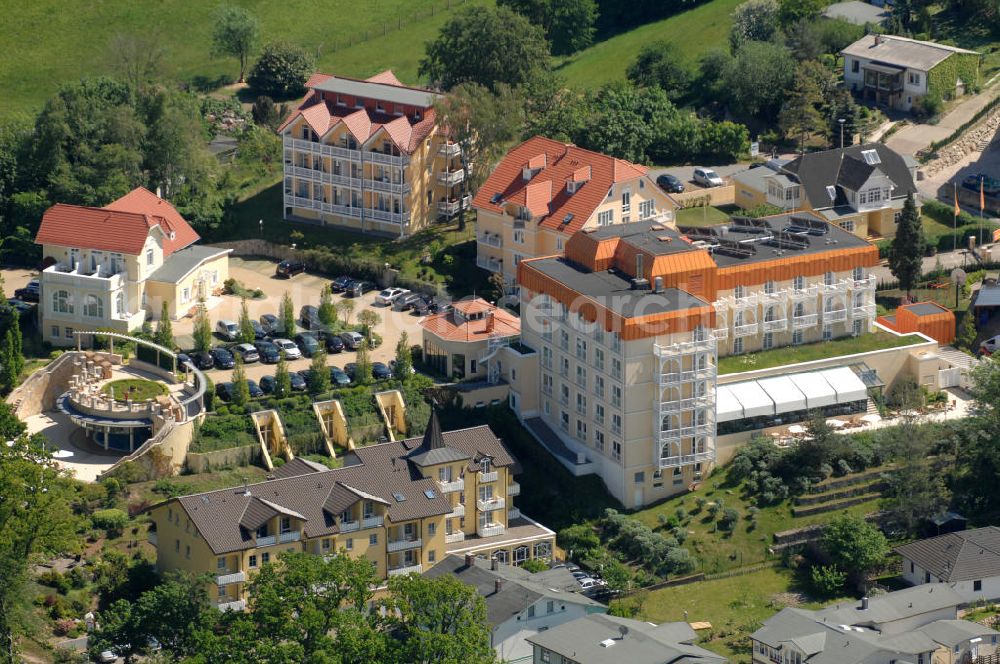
pixel 958 210
pixel 982 202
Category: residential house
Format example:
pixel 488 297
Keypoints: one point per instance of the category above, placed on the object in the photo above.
pixel 861 188
pixel 403 505
pixel 897 73
pixel 629 324
pixel 112 267
pixel 519 604
pixel 967 560
pixel 598 639
pixel 461 342
pixel 369 155
pixel 544 191
pixel 916 625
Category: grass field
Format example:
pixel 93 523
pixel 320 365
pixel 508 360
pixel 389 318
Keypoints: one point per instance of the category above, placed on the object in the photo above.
pixel 693 32
pixel 49 43
pixel 815 351
pixel 700 216
pixel 136 388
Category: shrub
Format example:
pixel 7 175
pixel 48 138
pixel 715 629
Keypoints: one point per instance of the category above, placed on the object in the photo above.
pixel 281 71
pixel 729 518
pixel 113 521
pixel 826 580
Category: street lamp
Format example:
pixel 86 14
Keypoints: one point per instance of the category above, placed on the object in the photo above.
pixel 841 121
pixel 260 224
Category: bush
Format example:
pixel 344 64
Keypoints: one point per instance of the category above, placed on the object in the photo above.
pixel 281 71
pixel 827 580
pixel 113 521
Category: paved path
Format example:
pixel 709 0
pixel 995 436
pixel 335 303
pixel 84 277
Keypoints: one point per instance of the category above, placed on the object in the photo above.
pixel 945 259
pixel 913 138
pixel 58 429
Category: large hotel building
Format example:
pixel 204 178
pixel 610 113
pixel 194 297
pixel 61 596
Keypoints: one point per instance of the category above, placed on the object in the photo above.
pixel 631 320
pixel 369 155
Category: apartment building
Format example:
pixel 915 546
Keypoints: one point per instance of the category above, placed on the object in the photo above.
pixel 631 320
pixel 861 188
pixel 113 267
pixel 917 625
pixel 544 191
pixel 369 155
pixel 403 505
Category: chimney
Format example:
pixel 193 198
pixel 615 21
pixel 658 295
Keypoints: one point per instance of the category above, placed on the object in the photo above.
pixel 494 564
pixel 469 559
pixel 879 39
pixel 864 603
pixel 497 585
pixel 639 272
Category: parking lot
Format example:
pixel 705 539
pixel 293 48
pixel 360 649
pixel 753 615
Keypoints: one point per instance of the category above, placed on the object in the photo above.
pixel 686 173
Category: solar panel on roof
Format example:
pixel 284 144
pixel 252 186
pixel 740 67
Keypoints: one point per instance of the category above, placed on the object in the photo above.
pixel 783 240
pixel 801 224
pixel 742 224
pixel 692 231
pixel 735 249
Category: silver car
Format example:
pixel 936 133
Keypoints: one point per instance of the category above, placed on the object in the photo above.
pixel 247 352
pixel 227 329
pixel 706 177
pixel 289 348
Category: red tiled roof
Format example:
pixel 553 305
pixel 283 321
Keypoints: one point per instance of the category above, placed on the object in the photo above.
pixel 559 163
pixel 121 226
pixel 454 328
pixel 362 123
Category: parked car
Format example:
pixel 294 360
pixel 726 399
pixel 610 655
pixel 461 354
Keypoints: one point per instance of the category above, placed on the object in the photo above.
pixel 389 295
pixel 340 284
pixel 358 288
pixel 298 382
pixel 380 371
pixel 247 352
pixel 706 177
pixel 183 359
pixel 339 378
pixel 258 330
pixel 352 339
pixel 254 388
pixel 223 358
pixel 334 344
pixel 107 656
pixel 439 306
pixel 670 183
pixel 271 325
pixel 269 353
pixel 203 360
pixel 227 329
pixel 587 583
pixel 309 317
pixel 990 346
pixel 350 368
pixel 224 391
pixel 307 343
pixel 579 575
pixel 30 293
pixel 422 307
pixel 268 384
pixel 289 268
pixel 405 302
pixel 289 348
pixel 23 308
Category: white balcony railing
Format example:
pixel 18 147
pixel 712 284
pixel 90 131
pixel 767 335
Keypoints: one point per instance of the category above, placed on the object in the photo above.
pixel 451 538
pixel 491 530
pixel 513 489
pixel 449 178
pixel 451 208
pixel 746 330
pixel 404 545
pixel 678 433
pixel 453 486
pixel 403 571
pixel 270 540
pixel 372 522
pixel 513 513
pixel 387 185
pixel 457 511
pixel 801 294
pixel 834 315
pixel 490 504
pixel 775 325
pixel 101 279
pixel 349 526
pixel 489 477
pixel 391 159
pixel 686 459
pixel 226 579
pixel 804 321
pixel 292 536
pixel 839 286
pixel 864 311
pixel 492 239
pixel 450 149
pixel 238 605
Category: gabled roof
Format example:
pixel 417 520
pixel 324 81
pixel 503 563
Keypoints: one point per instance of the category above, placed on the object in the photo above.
pixel 546 194
pixel 457 326
pixel 960 556
pixel 901 51
pixel 121 226
pixel 816 171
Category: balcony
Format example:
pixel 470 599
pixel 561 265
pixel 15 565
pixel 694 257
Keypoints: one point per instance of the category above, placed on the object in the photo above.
pixel 834 315
pixel 151 537
pixel 390 159
pixel 490 504
pixel 513 513
pixel 450 150
pixel 862 284
pixel 326 150
pixel 404 545
pixel 488 477
pixel 804 321
pixel 686 459
pixel 372 522
pixel 453 486
pixel 386 215
pixel 270 540
pixel 387 185
pixel 491 530
pixel 349 526
pixel 864 311
pixel 775 325
pixel 238 605
pixel 291 536
pixel 513 489
pixel 746 330
pixel 451 538
pixel 454 206
pixel 834 288
pixel 101 279
pixel 408 569
pixel 802 294
pixel 451 178
pixel 456 512
pixel 668 435
pixel 491 239
pixel 226 579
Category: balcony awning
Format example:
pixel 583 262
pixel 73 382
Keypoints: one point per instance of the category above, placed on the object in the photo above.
pixel 785 394
pixel 727 406
pixel 882 69
pixel 753 398
pixel 847 384
pixel 817 391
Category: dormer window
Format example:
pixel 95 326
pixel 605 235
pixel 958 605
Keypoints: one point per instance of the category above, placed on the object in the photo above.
pixel 831 192
pixel 484 465
pixel 261 532
pixel 871 157
pixel 286 524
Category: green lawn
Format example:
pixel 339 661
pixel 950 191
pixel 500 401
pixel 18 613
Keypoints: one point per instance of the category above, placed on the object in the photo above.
pixel 815 351
pixel 51 42
pixel 188 484
pixel 137 388
pixel 693 32
pixel 700 216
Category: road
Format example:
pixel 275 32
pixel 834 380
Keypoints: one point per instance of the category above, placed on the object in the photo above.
pixel 945 259
pixel 913 138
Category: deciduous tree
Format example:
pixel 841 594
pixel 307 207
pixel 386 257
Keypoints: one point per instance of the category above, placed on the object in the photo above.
pixel 757 80
pixel 202 331
pixel 368 320
pixel 235 33
pixel 319 374
pixel 661 64
pixel 287 315
pixel 345 307
pixel 569 24
pixel 241 389
pixel 404 357
pixel 282 378
pixel 327 312
pixel 164 328
pixel 246 332
pixel 281 71
pixel 363 364
pixel 754 20
pixel 854 546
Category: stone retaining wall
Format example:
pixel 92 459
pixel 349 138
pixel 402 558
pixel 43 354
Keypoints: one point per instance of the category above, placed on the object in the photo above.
pixel 205 462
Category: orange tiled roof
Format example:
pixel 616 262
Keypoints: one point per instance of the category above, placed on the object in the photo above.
pixel 121 226
pixel 363 123
pixel 454 327
pixel 559 163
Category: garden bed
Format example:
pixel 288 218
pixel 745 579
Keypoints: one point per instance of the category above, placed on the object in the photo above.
pixel 137 389
pixel 878 340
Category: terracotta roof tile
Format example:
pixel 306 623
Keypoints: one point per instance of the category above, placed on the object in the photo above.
pixel 454 325
pixel 386 77
pixel 562 162
pixel 537 196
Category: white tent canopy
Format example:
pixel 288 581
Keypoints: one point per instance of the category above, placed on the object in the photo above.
pixel 754 399
pixel 847 384
pixel 787 397
pixel 818 392
pixel 727 406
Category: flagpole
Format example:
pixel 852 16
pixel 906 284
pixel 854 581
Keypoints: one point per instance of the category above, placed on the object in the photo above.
pixel 954 219
pixel 982 206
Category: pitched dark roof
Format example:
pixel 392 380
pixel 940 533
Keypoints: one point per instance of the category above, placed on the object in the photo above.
pixel 818 170
pixel 226 518
pixel 432 449
pixel 854 173
pixel 960 556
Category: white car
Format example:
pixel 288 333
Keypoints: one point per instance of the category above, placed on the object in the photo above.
pixel 107 656
pixel 587 583
pixel 990 346
pixel 389 295
pixel 227 329
pixel 706 177
pixel 291 351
